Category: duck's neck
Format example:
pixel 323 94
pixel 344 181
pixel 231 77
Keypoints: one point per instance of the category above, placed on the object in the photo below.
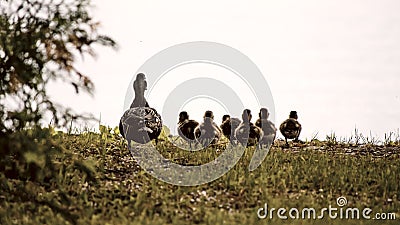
pixel 139 100
pixel 247 123
pixel 181 120
pixel 208 120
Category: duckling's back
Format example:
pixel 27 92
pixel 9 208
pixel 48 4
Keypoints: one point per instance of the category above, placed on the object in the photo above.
pixel 267 126
pixel 228 127
pixel 186 129
pixel 290 128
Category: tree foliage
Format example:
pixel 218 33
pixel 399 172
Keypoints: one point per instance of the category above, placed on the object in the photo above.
pixel 40 41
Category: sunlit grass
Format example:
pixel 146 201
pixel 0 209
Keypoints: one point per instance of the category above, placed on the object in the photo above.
pixel 313 174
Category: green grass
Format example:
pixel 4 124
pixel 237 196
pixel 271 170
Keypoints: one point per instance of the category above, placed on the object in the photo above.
pixel 313 174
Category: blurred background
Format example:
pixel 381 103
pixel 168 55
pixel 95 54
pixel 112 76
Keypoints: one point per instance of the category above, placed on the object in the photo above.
pixel 337 63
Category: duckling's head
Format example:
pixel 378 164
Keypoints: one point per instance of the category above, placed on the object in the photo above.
pixel 293 114
pixel 140 84
pixel 246 116
pixel 183 116
pixel 226 117
pixel 264 114
pixel 208 116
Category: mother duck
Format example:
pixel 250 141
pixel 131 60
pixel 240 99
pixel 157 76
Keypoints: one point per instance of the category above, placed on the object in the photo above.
pixel 140 123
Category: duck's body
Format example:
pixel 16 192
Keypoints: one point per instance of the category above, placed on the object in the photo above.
pixel 268 128
pixel 269 131
pixel 186 127
pixel 207 132
pixel 247 133
pixel 140 123
pixel 229 126
pixel 291 128
pixel 133 105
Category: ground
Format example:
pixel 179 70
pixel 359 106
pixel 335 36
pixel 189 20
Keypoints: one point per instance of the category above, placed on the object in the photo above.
pixel 313 174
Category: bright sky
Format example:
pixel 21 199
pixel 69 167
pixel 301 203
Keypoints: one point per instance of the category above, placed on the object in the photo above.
pixel 337 63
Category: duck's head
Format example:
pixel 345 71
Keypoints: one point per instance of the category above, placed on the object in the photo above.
pixel 225 118
pixel 140 84
pixel 246 116
pixel 183 116
pixel 208 116
pixel 264 114
pixel 293 114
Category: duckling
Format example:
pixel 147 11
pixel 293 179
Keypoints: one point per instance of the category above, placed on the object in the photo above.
pixel 291 128
pixel 186 127
pixel 246 133
pixel 140 123
pixel 208 132
pixel 267 127
pixel 229 126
